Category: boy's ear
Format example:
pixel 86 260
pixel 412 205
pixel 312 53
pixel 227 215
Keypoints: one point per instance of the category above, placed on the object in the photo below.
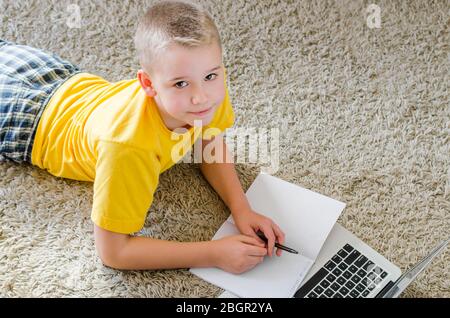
pixel 146 83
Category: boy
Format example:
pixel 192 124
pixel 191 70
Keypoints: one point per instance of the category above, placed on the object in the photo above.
pixel 121 136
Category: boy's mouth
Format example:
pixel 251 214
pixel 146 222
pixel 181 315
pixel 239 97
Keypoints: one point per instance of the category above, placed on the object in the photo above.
pixel 202 113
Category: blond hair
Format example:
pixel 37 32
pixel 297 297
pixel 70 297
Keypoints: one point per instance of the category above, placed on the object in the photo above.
pixel 172 22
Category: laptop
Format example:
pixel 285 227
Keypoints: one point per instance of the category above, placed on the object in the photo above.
pixel 339 264
pixel 346 267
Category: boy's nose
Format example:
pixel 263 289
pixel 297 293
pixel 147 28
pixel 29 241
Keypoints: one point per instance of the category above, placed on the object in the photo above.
pixel 199 98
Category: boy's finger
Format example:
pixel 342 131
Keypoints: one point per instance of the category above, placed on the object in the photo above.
pixel 279 250
pixel 252 233
pixel 268 233
pixel 252 240
pixel 257 251
pixel 279 234
pixel 255 260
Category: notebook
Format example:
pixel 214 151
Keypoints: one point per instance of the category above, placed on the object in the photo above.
pixel 306 218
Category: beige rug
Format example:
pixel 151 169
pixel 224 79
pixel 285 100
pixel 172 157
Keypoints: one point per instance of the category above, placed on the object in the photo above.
pixel 363 115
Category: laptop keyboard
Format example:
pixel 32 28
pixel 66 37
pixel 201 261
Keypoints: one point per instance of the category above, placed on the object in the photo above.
pixel 348 274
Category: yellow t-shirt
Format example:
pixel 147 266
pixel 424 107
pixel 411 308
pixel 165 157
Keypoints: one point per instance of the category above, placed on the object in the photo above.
pixel 112 134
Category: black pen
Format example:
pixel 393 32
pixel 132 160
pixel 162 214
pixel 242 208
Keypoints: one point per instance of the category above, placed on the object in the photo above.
pixel 281 247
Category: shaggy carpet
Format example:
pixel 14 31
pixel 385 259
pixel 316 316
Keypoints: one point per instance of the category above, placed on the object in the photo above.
pixel 363 116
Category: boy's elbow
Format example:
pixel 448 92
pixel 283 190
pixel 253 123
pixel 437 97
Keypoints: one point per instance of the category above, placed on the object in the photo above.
pixel 109 246
pixel 109 258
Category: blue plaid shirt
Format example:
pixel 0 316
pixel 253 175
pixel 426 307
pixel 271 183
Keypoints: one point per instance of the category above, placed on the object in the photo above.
pixel 28 79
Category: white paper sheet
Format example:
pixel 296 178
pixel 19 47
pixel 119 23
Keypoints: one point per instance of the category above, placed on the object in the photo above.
pixel 304 216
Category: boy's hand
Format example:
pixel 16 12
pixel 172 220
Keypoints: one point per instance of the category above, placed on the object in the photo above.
pixel 250 222
pixel 238 253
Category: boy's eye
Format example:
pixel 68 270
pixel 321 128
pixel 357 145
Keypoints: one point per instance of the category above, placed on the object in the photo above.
pixel 212 74
pixel 180 86
pixel 209 77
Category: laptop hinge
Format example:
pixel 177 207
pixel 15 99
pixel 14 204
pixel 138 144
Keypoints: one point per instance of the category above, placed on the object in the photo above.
pixel 385 289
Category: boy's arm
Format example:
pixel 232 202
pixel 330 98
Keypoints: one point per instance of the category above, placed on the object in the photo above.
pixel 234 254
pixel 123 251
pixel 223 178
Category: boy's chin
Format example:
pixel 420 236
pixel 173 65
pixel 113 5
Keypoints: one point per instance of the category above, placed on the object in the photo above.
pixel 199 122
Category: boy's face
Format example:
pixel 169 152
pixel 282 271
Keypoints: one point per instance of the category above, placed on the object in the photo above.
pixel 187 84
